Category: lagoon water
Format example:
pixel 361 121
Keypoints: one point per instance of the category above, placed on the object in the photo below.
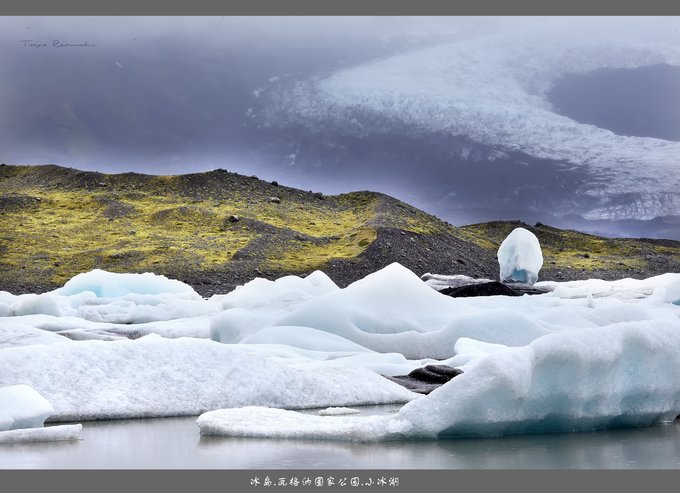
pixel 175 443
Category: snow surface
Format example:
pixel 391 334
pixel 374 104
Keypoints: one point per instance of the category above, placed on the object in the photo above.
pixel 493 88
pixel 48 434
pixel 520 257
pixel 22 407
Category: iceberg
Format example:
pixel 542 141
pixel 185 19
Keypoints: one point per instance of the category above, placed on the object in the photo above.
pixel 110 284
pixel 49 434
pixel 389 311
pixel 520 257
pixel 580 380
pixel 30 304
pixel 22 407
pixel 287 291
pixel 153 376
pixel 584 355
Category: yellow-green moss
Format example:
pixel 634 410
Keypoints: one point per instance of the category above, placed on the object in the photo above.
pixel 563 248
pixel 68 231
pixel 308 257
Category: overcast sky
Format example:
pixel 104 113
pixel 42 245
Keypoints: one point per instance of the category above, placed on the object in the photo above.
pixel 169 94
pixel 173 95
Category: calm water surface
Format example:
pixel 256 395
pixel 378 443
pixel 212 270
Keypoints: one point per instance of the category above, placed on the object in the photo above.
pixel 175 443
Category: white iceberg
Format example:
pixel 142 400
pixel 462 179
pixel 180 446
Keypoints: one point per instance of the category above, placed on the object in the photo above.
pixel 153 376
pixel 520 257
pixel 29 304
pixel 623 375
pixel 48 434
pixel 390 311
pixel 285 292
pixel 587 354
pixel 22 407
pixel 110 285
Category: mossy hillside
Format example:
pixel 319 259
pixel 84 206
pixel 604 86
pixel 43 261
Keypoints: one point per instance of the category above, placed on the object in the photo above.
pixel 76 221
pixel 57 222
pixel 571 250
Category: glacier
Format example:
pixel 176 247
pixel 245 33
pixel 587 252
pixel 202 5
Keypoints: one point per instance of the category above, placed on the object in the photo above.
pixel 584 355
pixel 492 88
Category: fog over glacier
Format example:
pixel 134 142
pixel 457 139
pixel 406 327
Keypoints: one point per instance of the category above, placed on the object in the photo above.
pixel 568 121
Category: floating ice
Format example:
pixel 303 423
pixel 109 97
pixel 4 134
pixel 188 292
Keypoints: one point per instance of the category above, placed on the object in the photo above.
pixel 24 406
pixel 285 292
pixel 622 375
pixel 587 354
pixel 30 304
pixel 623 289
pixel 391 310
pixel 280 423
pixel 153 376
pixel 338 411
pixel 48 434
pixel 110 285
pixel 520 257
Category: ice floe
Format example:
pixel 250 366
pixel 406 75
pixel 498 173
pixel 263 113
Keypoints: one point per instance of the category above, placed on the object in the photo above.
pixel 23 412
pixel 585 354
pixel 623 375
pixel 22 407
pixel 58 433
pixel 154 376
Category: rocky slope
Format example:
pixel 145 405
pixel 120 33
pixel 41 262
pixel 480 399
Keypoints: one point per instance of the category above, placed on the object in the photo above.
pixel 218 229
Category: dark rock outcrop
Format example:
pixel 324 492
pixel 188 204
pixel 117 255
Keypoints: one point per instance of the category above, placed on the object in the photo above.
pixel 426 379
pixel 492 288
